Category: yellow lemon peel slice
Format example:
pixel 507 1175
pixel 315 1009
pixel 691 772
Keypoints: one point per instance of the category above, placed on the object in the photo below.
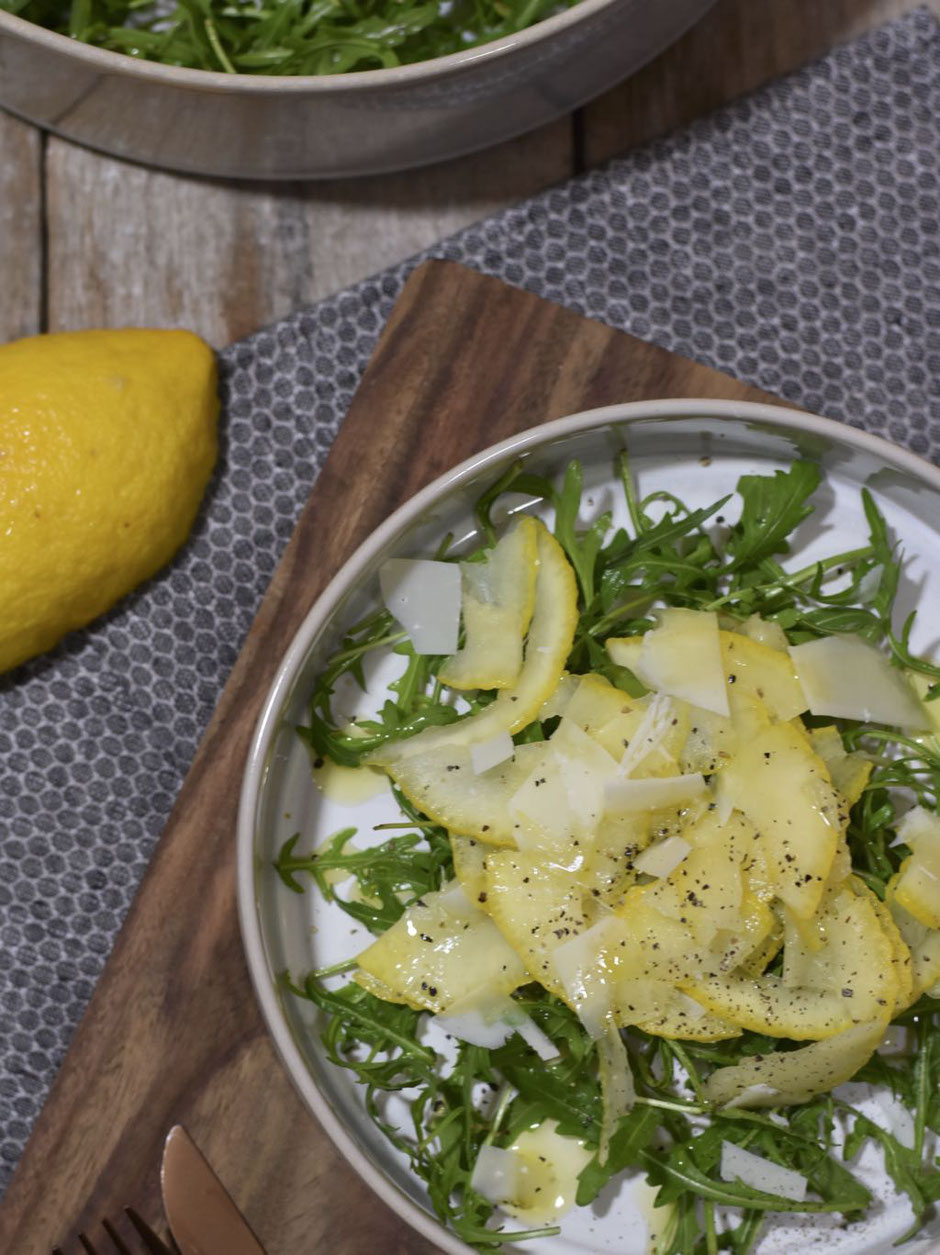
pixel 497 602
pixel 551 633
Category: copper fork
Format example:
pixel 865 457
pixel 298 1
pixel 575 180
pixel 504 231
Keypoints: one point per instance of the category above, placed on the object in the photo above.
pixel 152 1244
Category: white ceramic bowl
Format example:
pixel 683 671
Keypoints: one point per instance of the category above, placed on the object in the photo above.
pixel 697 449
pixel 246 126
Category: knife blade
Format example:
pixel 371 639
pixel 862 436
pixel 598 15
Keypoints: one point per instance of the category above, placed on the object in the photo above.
pixel 202 1216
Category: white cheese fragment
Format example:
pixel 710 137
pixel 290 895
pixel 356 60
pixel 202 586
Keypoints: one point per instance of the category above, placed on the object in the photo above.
pixel 618 1088
pixel 652 730
pixel 766 632
pixel 629 796
pixel 760 1174
pixel 587 969
pixel 694 1010
pixel 747 1096
pixel 533 1036
pixel 489 1020
pixel 471 1024
pixel 563 796
pixel 846 677
pixel 424 596
pixel 496 1174
pixel 540 806
pixel 660 859
pixel 682 657
pixel 918 827
pixel 491 753
pixel 585 767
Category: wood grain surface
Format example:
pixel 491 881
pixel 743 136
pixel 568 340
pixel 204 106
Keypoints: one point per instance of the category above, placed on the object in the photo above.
pixel 226 258
pixel 173 1033
pixel 21 219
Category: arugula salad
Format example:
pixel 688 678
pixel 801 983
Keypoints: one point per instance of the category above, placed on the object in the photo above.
pixel 290 37
pixel 666 873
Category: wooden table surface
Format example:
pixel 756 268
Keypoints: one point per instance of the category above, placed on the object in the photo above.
pixel 86 240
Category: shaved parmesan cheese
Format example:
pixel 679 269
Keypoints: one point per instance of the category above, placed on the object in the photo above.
pixel 846 677
pixel 759 1095
pixel 766 632
pixel 587 968
pixel 473 1027
pixel 760 1174
pixel 424 596
pixel 585 768
pixel 489 1020
pixel 682 657
pixel 491 753
pixel 540 806
pixel 563 796
pixel 918 826
pixel 653 794
pixel 917 888
pixel 650 734
pixel 535 1039
pixel 659 860
pixel 533 1036
pixel 480 1019
pixel 724 799
pixel 496 1174
pixel 618 1088
pixel 694 1010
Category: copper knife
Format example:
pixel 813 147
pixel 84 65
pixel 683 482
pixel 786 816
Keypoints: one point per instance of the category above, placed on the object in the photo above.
pixel 202 1217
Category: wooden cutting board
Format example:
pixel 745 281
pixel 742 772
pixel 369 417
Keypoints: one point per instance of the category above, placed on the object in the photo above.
pixel 172 1034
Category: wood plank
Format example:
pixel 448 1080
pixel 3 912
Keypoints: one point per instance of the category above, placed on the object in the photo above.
pixel 736 47
pixel 129 245
pixel 173 1033
pixel 20 228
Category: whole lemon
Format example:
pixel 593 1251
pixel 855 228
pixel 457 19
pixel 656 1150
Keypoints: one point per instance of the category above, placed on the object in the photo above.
pixel 107 442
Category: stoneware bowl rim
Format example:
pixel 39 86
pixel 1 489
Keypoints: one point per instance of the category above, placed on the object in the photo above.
pixel 217 81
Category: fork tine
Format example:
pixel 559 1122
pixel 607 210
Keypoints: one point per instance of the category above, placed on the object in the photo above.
pixel 150 1240
pixel 119 1244
pixel 87 1245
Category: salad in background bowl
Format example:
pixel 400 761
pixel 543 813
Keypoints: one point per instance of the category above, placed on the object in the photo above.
pixel 653 873
pixel 314 91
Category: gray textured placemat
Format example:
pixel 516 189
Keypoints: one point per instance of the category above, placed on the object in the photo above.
pixel 791 240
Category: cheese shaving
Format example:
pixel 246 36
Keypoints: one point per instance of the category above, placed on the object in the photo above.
pixel 760 1174
pixel 424 596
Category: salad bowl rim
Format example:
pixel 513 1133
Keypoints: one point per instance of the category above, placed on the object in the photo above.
pixel 109 61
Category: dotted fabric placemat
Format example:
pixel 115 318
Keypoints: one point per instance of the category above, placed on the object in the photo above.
pixel 791 239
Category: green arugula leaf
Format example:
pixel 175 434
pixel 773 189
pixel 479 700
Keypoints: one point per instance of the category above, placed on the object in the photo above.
pixel 631 1138
pixel 772 506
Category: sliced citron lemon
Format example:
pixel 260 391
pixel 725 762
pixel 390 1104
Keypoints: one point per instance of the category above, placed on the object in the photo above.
pixel 852 978
pixel 497 603
pixel 795 1076
pixel 442 950
pixel 551 633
